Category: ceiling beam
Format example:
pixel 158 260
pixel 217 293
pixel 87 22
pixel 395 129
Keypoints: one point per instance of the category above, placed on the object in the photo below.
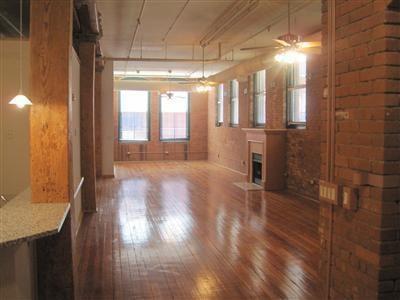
pixel 154 59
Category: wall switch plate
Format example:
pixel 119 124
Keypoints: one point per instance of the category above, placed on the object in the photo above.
pixel 350 198
pixel 329 192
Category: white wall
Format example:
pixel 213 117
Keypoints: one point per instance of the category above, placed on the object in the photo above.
pixel 14 131
pixel 107 119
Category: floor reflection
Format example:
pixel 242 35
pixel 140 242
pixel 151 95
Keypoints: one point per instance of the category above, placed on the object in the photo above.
pixel 183 231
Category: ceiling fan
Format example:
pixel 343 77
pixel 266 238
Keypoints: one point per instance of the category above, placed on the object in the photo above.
pixel 204 85
pixel 290 45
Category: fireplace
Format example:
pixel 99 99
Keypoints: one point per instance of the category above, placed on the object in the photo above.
pixel 266 157
pixel 257 168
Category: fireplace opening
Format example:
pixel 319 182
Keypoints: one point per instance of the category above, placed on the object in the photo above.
pixel 257 168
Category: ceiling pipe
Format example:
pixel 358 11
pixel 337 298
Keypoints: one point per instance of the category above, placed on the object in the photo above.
pixel 154 59
pixel 93 15
pixel 175 20
pixel 274 22
pixel 138 23
pixel 228 19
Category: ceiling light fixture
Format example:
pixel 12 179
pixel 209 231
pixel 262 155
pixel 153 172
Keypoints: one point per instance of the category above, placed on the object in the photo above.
pixel 20 100
pixel 204 85
pixel 290 56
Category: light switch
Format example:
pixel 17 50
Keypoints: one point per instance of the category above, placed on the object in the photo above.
pixel 328 192
pixel 350 198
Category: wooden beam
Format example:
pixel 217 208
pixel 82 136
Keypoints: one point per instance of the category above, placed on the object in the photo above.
pixel 88 158
pixel 97 109
pixel 50 42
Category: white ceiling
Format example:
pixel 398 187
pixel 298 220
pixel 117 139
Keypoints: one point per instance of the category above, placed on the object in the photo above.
pixel 119 18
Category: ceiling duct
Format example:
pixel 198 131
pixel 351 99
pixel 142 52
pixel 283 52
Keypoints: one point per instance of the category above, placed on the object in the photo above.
pixel 230 17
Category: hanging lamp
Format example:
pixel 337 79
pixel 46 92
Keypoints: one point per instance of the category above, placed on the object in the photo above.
pixel 20 100
pixel 203 87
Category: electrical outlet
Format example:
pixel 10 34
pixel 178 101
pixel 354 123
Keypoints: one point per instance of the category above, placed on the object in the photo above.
pixel 350 198
pixel 329 192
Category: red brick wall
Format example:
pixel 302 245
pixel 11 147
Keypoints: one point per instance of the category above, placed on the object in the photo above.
pixel 227 145
pixel 366 243
pixel 194 149
pixel 303 145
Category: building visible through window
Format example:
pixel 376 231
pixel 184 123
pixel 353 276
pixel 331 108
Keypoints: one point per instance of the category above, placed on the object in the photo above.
pixel 220 105
pixel 234 103
pixel 133 116
pixel 296 93
pixel 259 95
pixel 174 116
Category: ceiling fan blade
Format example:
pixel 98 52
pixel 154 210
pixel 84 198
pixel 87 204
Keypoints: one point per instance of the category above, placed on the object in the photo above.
pixel 259 47
pixel 308 44
pixel 282 42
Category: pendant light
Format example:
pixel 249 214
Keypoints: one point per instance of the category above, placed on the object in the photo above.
pixel 203 87
pixel 20 100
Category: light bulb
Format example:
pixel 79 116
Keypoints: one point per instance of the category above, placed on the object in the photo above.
pixel 20 101
pixel 203 88
pixel 290 57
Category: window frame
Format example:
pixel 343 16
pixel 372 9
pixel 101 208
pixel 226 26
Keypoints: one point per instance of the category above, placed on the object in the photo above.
pixel 148 120
pixel 255 106
pixel 219 107
pixel 291 86
pixel 231 124
pixel 160 113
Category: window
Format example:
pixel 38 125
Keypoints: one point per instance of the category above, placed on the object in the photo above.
pixel 234 90
pixel 134 116
pixel 259 95
pixel 296 94
pixel 220 105
pixel 174 116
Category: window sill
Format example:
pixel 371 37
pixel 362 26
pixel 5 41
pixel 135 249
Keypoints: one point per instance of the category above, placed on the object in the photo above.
pixel 296 126
pixel 234 125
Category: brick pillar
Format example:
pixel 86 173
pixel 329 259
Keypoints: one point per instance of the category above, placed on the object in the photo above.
pixel 366 243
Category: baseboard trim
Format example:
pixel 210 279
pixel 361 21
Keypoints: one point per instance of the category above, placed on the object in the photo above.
pixel 227 168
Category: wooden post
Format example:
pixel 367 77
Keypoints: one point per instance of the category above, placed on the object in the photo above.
pixel 50 42
pixel 50 137
pixel 88 159
pixel 98 122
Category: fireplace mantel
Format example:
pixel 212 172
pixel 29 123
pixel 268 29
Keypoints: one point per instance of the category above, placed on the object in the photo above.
pixel 271 144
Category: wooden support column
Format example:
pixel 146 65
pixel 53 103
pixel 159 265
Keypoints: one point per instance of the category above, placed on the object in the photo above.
pixel 98 121
pixel 88 157
pixel 50 47
pixel 50 137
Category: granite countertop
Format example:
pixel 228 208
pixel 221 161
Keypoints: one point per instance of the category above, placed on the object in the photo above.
pixel 23 221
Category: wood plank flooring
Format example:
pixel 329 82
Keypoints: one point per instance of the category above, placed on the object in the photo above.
pixel 182 230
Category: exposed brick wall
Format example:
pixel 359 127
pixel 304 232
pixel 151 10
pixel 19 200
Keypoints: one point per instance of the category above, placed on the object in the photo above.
pixel 303 145
pixel 194 149
pixel 366 243
pixel 227 145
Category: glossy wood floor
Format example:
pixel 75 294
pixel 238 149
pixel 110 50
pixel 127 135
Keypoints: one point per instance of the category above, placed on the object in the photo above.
pixel 182 230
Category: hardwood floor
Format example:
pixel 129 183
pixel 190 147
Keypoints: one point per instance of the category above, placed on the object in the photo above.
pixel 182 230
